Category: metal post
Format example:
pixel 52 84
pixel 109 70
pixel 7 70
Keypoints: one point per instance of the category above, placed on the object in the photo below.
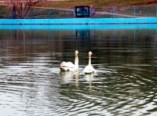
pixel 51 13
pixel 156 11
pixel 72 13
pixel 13 13
pixel 134 11
pixel 113 12
pixel 32 14
pixel 91 12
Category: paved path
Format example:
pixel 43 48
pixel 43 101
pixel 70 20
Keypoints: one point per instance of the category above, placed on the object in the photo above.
pixel 96 13
pixel 115 14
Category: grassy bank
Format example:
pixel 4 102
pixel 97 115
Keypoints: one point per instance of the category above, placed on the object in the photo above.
pixel 2 6
pixel 97 3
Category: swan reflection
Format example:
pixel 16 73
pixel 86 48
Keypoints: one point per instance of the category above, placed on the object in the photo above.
pixel 89 78
pixel 76 76
pixel 68 77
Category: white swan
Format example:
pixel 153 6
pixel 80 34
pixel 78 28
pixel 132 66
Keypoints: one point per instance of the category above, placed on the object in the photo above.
pixel 89 68
pixel 69 66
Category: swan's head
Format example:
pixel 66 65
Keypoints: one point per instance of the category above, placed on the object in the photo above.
pixel 76 53
pixel 89 53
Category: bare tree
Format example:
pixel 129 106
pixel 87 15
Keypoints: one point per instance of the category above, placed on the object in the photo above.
pixel 22 8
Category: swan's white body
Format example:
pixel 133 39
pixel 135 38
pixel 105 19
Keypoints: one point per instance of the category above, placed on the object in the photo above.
pixel 89 68
pixel 69 66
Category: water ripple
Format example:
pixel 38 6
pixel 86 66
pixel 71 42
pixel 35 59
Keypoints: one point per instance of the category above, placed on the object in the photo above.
pixel 124 82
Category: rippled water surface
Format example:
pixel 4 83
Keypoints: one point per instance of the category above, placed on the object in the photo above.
pixel 125 82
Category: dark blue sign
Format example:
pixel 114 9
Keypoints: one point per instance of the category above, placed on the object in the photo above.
pixel 82 11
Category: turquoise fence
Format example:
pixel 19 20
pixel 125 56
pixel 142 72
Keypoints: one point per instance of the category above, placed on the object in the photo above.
pixel 79 21
pixel 80 27
pixel 104 12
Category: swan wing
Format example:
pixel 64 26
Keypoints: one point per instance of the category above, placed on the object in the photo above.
pixel 67 66
pixel 70 64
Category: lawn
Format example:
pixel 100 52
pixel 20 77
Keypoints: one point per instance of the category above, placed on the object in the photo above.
pixel 97 3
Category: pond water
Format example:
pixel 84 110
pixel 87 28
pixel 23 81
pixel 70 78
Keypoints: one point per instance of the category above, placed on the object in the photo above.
pixel 125 82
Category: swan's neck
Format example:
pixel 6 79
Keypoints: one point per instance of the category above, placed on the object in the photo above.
pixel 76 61
pixel 89 60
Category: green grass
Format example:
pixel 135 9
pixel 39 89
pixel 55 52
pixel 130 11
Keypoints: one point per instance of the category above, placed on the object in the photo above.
pixel 97 3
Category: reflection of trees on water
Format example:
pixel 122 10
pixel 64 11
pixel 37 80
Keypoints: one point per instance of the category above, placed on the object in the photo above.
pixel 108 46
pixel 119 46
pixel 28 43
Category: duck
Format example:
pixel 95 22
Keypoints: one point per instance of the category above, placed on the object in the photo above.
pixel 69 66
pixel 89 69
